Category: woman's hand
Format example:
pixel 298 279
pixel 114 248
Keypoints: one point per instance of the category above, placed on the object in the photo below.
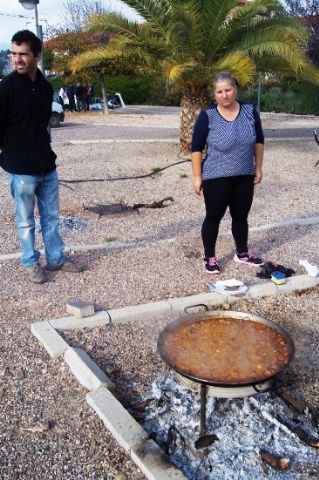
pixel 197 184
pixel 258 176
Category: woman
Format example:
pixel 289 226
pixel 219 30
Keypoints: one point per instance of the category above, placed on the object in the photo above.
pixel 232 133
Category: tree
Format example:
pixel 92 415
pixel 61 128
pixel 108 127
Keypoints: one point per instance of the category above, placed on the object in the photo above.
pixel 308 10
pixel 64 46
pixel 191 40
pixel 77 12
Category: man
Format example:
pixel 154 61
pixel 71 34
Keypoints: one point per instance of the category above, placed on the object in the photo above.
pixel 27 157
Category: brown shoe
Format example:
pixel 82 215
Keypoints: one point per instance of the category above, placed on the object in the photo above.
pixel 68 266
pixel 36 274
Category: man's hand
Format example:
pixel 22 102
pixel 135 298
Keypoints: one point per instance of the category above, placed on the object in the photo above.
pixel 197 184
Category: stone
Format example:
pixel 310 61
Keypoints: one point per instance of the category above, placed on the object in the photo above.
pixel 80 309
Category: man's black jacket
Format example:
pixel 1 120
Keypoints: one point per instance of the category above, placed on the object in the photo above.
pixel 25 109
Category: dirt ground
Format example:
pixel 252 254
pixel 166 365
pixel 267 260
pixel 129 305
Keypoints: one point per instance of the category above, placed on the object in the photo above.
pixel 48 431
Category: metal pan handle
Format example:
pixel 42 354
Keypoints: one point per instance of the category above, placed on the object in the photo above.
pixel 194 306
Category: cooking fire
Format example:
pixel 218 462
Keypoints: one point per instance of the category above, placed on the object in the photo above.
pixel 241 429
pixel 223 413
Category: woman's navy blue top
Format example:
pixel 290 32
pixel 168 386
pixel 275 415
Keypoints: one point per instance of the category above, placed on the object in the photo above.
pixel 230 144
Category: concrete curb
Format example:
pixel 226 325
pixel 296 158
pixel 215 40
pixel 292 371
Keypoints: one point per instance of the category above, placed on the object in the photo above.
pixel 87 372
pixel 116 418
pixel 287 223
pixel 50 339
pixel 118 140
pixel 147 455
pixel 136 244
pixel 139 312
pixel 170 306
pixel 99 319
pixel 297 282
pixel 93 247
pixel 130 435
pixel 164 140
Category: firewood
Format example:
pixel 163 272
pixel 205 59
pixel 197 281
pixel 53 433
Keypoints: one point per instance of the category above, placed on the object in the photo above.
pixel 292 402
pixel 142 406
pixel 305 437
pixel 205 441
pixel 275 461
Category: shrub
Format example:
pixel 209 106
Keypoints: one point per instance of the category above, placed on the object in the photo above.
pixel 288 96
pixel 139 90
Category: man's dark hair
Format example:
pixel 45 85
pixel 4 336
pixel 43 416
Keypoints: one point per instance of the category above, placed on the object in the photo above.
pixel 26 36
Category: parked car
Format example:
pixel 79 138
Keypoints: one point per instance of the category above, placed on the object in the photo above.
pixel 115 101
pixel 57 115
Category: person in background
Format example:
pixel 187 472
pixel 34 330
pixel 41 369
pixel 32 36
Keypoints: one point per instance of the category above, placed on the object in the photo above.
pixel 90 95
pixel 27 157
pixel 79 94
pixel 61 95
pixel 232 134
pixel 70 91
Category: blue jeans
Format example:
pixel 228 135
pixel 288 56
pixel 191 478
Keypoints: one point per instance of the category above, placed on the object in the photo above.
pixel 26 189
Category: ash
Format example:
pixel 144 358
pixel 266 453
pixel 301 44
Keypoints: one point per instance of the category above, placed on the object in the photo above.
pixel 74 224
pixel 243 427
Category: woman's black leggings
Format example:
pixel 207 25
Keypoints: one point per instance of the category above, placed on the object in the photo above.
pixel 219 193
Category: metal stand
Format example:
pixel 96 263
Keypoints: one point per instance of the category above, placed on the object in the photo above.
pixel 203 396
pixel 203 439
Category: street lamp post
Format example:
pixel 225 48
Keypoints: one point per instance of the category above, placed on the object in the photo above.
pixel 30 5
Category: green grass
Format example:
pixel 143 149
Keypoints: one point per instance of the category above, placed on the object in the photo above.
pixel 110 239
pixel 157 171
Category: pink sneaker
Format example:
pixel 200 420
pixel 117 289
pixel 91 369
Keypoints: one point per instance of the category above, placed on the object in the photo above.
pixel 248 258
pixel 211 265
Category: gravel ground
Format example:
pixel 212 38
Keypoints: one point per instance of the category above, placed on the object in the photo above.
pixel 165 263
pixel 128 353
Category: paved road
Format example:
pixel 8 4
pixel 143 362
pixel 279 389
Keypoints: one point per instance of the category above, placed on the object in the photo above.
pixel 77 131
pixel 289 133
pixel 81 131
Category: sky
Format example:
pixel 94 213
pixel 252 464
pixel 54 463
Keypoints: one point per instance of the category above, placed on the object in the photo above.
pixel 14 17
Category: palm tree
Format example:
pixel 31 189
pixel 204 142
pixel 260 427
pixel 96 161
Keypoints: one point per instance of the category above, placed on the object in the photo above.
pixel 191 40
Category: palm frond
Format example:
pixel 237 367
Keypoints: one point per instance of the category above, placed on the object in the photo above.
pixel 175 71
pixel 210 16
pixel 308 72
pixel 180 34
pixel 238 64
pixel 155 12
pixel 191 39
pixel 114 24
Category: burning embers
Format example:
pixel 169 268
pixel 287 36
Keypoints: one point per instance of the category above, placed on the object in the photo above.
pixel 241 425
pixel 247 438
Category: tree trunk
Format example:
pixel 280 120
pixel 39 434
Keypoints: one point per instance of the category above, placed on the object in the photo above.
pixel 106 108
pixel 191 105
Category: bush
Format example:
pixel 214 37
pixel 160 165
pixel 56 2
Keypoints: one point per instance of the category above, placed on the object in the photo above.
pixel 289 96
pixel 141 90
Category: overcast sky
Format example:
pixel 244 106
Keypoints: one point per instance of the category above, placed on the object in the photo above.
pixel 14 17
